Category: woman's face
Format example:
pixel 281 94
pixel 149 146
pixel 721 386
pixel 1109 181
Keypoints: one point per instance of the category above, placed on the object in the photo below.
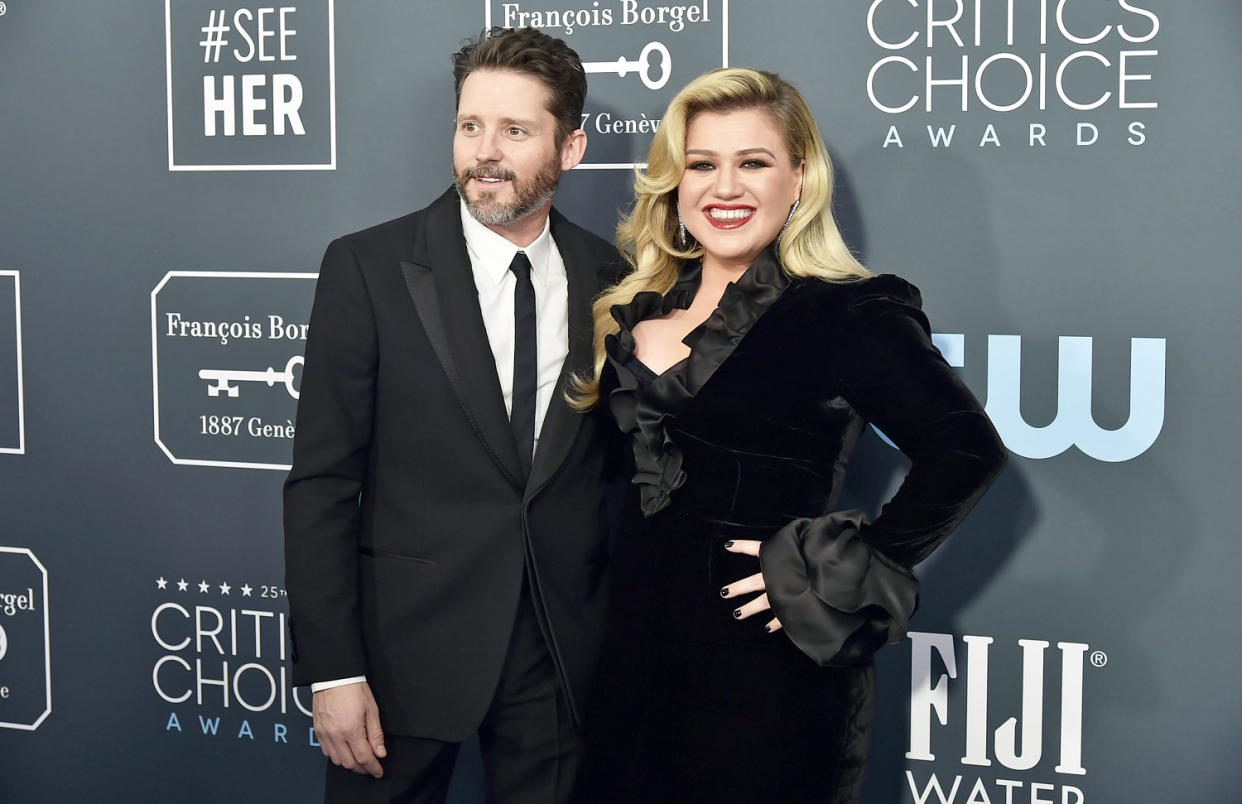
pixel 738 185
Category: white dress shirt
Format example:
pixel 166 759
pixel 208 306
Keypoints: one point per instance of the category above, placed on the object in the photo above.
pixel 490 255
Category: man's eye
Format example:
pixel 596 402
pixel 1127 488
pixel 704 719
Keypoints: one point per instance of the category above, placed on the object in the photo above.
pixel 469 126
pixel 514 131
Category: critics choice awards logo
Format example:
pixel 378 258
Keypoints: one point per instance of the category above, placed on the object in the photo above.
pixel 1039 74
pixel 12 419
pixel 220 661
pixel 226 352
pixel 637 55
pixel 25 661
pixel 960 688
pixel 250 87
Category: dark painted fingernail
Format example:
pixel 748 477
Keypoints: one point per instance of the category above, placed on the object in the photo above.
pixel 737 614
pixel 728 544
pixel 768 628
pixel 724 592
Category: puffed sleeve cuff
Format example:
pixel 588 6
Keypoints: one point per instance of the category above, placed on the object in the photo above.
pixel 838 599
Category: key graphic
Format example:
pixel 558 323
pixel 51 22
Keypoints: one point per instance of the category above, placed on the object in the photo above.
pixel 223 378
pixel 643 65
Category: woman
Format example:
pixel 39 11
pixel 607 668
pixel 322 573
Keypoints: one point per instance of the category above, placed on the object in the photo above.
pixel 742 357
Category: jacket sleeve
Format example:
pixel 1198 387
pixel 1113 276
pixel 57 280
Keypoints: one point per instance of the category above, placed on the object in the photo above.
pixel 896 380
pixel 840 585
pixel 331 452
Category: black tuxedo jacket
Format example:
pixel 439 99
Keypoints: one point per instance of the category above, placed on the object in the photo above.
pixel 408 526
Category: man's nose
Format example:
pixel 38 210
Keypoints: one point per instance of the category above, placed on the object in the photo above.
pixel 488 147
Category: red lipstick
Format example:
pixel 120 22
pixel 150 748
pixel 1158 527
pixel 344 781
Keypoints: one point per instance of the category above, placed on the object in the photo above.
pixel 732 222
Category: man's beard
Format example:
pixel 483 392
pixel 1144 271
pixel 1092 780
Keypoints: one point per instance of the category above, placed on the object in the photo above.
pixel 528 196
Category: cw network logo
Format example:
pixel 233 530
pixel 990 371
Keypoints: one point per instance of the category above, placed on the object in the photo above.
pixel 1074 424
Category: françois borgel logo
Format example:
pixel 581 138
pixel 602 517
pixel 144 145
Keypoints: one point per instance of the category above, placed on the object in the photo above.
pixel 1027 75
pixel 250 87
pixel 226 353
pixel 637 54
pixel 25 660
pixel 12 419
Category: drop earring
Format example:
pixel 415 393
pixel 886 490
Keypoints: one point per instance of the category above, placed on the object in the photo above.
pixel 791 210
pixel 681 226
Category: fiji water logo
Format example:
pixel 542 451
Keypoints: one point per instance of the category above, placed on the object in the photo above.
pixel 1022 745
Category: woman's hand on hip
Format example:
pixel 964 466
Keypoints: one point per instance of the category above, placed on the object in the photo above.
pixel 749 585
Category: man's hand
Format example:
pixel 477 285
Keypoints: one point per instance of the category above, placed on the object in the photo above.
pixel 348 727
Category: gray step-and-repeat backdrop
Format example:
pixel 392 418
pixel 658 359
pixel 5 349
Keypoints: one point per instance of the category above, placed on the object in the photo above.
pixel 1060 177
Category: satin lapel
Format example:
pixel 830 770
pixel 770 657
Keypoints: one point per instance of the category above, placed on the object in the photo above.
pixel 441 283
pixel 560 426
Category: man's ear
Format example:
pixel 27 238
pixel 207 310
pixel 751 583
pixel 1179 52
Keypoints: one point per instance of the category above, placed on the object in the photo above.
pixel 573 149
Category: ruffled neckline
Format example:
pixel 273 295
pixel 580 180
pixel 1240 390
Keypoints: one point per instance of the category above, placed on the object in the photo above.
pixel 645 414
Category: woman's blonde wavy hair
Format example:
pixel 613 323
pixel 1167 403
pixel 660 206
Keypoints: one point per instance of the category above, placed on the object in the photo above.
pixel 811 245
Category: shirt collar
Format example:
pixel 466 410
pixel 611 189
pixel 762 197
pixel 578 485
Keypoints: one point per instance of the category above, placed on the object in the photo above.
pixel 492 253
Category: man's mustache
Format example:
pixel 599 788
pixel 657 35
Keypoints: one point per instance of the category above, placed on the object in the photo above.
pixel 488 172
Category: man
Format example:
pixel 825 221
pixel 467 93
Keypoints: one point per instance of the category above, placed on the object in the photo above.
pixel 443 516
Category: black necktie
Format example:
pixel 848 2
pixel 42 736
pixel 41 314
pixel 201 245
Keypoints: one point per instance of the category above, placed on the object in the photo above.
pixel 525 361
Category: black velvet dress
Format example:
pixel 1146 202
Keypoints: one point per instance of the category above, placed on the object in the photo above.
pixel 748 439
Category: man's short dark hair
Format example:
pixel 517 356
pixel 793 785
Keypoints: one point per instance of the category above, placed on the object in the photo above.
pixel 532 52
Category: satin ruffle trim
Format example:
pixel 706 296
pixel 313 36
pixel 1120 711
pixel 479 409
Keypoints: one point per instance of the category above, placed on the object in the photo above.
pixel 645 414
pixel 837 598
